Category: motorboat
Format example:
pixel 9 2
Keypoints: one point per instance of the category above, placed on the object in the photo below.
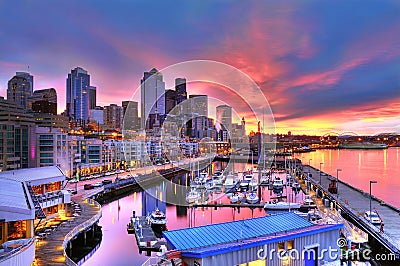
pixel 281 205
pixel 157 217
pixel 248 177
pixel 203 177
pixel 217 178
pixel 289 179
pixel 130 227
pixel 277 184
pixel 296 187
pixel 308 202
pixel 192 196
pixel 244 184
pixel 209 184
pixel 230 182
pixel 252 198
pixel 235 198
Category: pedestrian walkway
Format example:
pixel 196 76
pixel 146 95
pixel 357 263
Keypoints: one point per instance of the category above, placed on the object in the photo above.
pixel 50 251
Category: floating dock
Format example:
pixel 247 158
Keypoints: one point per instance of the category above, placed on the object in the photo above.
pixel 146 239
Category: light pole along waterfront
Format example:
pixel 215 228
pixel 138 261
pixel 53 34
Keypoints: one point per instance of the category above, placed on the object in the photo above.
pixel 320 164
pixel 370 197
pixel 337 181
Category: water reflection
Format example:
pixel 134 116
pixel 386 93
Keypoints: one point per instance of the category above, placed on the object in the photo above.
pixel 360 166
pixel 119 248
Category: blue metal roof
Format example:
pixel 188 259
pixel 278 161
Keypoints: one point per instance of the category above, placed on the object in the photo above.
pixel 215 234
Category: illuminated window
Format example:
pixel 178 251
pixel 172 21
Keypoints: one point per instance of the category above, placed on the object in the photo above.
pixel 281 245
pixel 290 244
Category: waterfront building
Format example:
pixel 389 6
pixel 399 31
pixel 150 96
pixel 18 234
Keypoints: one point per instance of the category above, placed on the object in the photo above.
pixel 43 101
pixel 17 137
pixel 152 88
pixel 78 94
pixel 133 152
pixel 114 151
pixel 189 149
pixel 281 239
pixel 20 88
pixel 46 185
pixel 17 214
pixel 52 148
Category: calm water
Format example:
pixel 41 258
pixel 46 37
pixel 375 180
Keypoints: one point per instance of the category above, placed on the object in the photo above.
pixel 360 166
pixel 119 248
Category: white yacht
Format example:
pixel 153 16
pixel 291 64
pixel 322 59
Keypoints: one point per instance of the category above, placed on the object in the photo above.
pixel 157 217
pixel 192 196
pixel 252 198
pixel 281 205
pixel 235 198
pixel 278 183
pixel 308 202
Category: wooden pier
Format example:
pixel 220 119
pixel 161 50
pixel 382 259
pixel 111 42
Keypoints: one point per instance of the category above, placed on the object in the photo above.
pixel 50 251
pixel 353 202
pixel 146 239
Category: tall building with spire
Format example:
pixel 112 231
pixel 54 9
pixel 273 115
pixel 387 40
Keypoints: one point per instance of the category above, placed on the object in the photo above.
pixel 78 94
pixel 152 88
pixel 20 88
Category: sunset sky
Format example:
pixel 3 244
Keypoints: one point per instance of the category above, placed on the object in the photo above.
pixel 322 65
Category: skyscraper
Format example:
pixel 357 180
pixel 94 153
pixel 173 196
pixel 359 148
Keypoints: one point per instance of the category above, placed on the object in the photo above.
pixel 92 103
pixel 170 100
pixel 131 121
pixel 180 89
pixel 113 116
pixel 78 94
pixel 20 88
pixel 152 95
pixel 224 117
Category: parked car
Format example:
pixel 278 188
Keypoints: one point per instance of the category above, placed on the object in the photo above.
pixel 373 218
pixel 97 184
pixel 88 186
pixel 72 191
pixel 106 181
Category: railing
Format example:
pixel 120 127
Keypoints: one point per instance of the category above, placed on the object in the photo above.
pixel 80 228
pixel 154 261
pixel 22 255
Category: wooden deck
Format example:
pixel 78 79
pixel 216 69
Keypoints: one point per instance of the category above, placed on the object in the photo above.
pixel 49 251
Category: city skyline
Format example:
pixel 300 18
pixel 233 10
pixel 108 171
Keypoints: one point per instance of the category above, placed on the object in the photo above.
pixel 320 71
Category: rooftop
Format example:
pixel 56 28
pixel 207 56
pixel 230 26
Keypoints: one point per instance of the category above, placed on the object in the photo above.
pixel 13 201
pixel 36 176
pixel 209 235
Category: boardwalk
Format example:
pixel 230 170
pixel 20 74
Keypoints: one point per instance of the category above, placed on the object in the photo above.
pixel 50 251
pixel 358 202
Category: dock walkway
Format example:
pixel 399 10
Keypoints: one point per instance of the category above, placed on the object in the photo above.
pixel 358 202
pixel 50 251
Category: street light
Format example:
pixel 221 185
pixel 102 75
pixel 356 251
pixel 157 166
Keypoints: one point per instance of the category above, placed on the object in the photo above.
pixel 337 182
pixel 370 197
pixel 320 164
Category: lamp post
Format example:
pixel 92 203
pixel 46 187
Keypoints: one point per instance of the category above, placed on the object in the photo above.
pixel 320 164
pixel 370 197
pixel 337 182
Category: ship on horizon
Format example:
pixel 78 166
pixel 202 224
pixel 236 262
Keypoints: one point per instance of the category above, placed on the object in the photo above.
pixel 363 145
